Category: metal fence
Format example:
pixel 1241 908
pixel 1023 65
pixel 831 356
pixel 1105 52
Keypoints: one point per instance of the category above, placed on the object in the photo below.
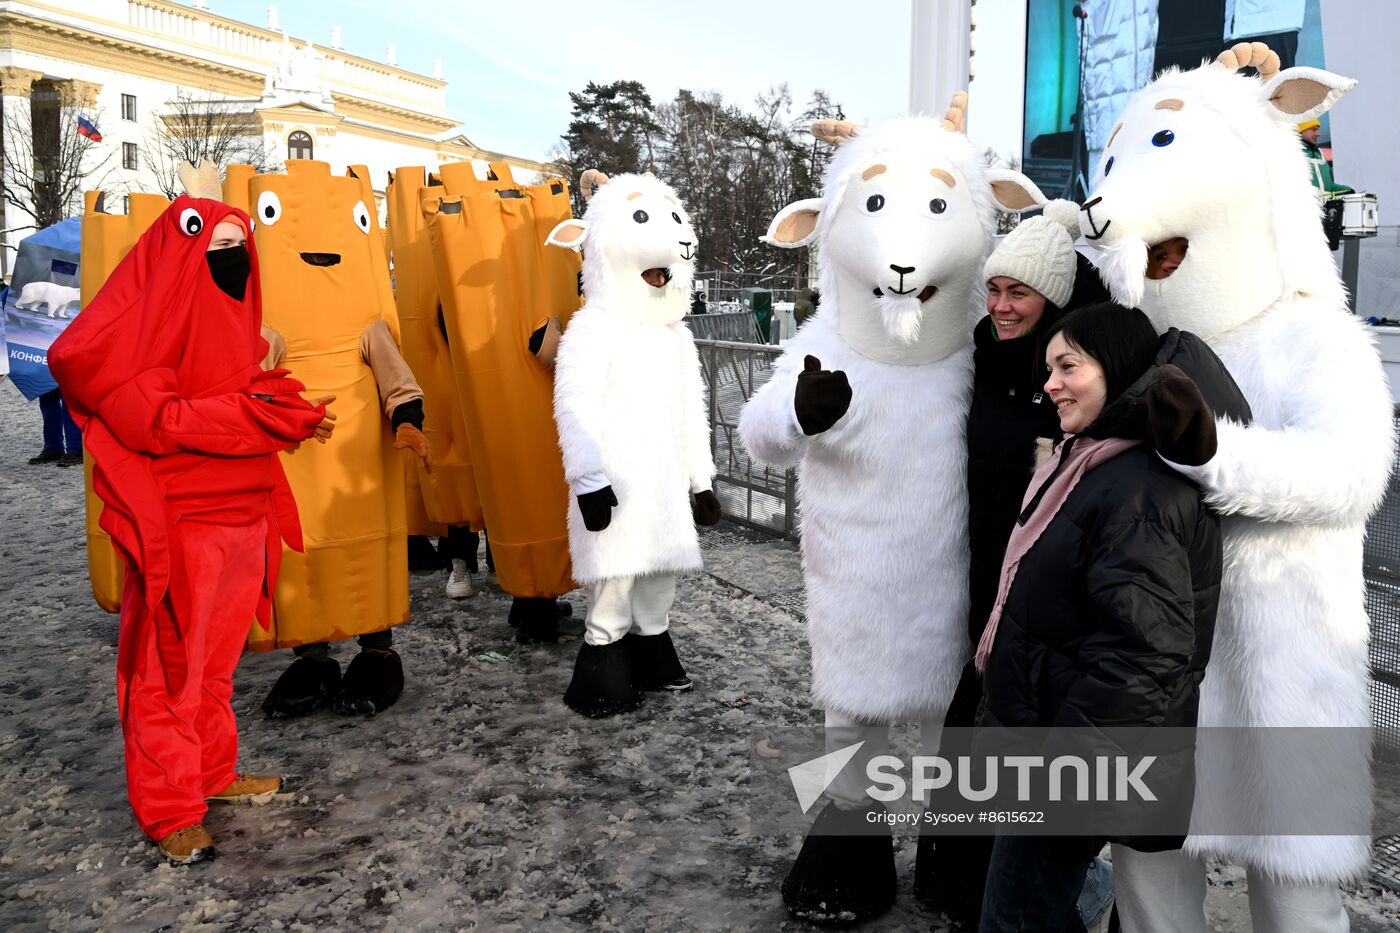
pixel 1381 563
pixel 736 326
pixel 727 286
pixel 751 493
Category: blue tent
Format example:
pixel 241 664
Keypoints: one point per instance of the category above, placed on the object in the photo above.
pixel 43 298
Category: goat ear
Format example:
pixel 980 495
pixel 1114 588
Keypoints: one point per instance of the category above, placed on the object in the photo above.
pixel 568 234
pixel 1014 191
pixel 795 225
pixel 1301 94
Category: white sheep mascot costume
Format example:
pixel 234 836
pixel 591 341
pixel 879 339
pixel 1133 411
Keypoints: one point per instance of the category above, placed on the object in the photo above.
pixel 630 408
pixel 869 401
pixel 1212 156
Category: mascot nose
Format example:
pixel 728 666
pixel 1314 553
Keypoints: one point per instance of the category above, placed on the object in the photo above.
pixel 902 270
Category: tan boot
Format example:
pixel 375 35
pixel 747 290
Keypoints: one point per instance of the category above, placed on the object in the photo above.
pixel 187 846
pixel 256 789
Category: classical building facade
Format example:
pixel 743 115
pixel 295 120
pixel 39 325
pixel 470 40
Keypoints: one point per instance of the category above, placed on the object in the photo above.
pixel 127 66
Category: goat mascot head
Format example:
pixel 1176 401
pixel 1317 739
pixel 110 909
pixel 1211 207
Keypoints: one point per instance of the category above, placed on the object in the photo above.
pixel 905 220
pixel 1211 157
pixel 639 247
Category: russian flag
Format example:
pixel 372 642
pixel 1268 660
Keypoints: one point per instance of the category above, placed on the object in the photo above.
pixel 88 129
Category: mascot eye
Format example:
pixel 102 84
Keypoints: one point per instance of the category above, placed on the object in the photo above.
pixel 874 203
pixel 190 222
pixel 676 217
pixel 1163 138
pixel 361 214
pixel 269 208
pixel 641 217
pixel 1108 166
pixel 938 205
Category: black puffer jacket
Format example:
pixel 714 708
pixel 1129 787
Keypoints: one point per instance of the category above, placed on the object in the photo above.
pixel 1110 618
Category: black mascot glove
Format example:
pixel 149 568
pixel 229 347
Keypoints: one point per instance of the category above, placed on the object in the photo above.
pixel 597 508
pixel 1181 423
pixel 705 508
pixel 822 397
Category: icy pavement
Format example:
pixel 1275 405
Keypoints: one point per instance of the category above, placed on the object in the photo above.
pixel 478 802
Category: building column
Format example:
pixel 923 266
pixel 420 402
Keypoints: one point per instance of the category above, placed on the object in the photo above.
pixel 16 85
pixel 77 99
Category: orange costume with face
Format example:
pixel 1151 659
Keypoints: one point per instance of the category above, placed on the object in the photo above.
pixel 326 294
pixel 498 284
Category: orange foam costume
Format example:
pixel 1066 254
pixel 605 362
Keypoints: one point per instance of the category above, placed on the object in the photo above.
pixel 106 239
pixel 448 495
pixel 160 371
pixel 327 297
pixel 499 286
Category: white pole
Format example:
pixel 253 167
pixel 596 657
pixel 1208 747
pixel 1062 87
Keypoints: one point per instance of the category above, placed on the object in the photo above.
pixel 939 32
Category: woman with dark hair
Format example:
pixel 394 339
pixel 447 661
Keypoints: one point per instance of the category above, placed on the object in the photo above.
pixel 1105 606
pixel 1033 278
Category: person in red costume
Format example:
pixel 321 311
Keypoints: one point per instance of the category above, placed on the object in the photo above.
pixel 161 373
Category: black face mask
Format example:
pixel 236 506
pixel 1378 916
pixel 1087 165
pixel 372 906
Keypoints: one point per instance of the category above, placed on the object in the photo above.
pixel 230 269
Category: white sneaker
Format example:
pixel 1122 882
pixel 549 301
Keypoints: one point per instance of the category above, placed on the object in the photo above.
pixel 459 581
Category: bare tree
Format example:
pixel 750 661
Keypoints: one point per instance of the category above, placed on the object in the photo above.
pixel 199 125
pixel 47 163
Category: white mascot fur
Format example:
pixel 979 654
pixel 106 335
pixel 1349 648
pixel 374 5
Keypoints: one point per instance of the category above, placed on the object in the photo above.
pixel 1213 156
pixel 630 409
pixel 869 401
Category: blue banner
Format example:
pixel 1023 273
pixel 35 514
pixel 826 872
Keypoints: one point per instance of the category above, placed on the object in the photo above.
pixel 43 298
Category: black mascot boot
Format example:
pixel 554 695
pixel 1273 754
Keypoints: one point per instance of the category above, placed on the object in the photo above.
pixel 655 665
pixel 534 618
pixel 309 684
pixel 602 684
pixel 845 872
pixel 950 874
pixel 373 682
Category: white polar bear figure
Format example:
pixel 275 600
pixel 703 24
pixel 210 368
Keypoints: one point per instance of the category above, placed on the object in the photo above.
pixel 1212 157
pixel 635 436
pixel 57 299
pixel 904 224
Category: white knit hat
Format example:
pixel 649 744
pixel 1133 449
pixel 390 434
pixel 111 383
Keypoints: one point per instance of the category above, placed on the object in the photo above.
pixel 1040 252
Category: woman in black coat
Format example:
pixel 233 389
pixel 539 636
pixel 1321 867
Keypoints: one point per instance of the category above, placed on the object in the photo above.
pixel 1033 278
pixel 1107 595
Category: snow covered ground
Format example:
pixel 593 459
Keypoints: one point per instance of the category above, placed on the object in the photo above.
pixel 478 802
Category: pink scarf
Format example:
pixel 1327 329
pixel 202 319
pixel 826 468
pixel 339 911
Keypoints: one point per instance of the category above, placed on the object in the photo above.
pixel 1084 455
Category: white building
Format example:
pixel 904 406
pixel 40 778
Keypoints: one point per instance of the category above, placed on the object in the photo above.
pixel 122 63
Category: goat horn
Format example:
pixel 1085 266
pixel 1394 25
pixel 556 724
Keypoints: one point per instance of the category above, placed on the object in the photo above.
pixel 1250 54
pixel 955 118
pixel 590 181
pixel 835 132
pixel 202 180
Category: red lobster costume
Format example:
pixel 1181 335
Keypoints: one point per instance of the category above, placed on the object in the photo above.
pixel 161 373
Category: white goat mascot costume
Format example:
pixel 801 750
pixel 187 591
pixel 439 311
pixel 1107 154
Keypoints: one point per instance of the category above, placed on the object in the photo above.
pixel 1212 156
pixel 630 408
pixel 905 223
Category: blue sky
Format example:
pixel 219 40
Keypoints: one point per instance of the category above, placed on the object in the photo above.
pixel 509 68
